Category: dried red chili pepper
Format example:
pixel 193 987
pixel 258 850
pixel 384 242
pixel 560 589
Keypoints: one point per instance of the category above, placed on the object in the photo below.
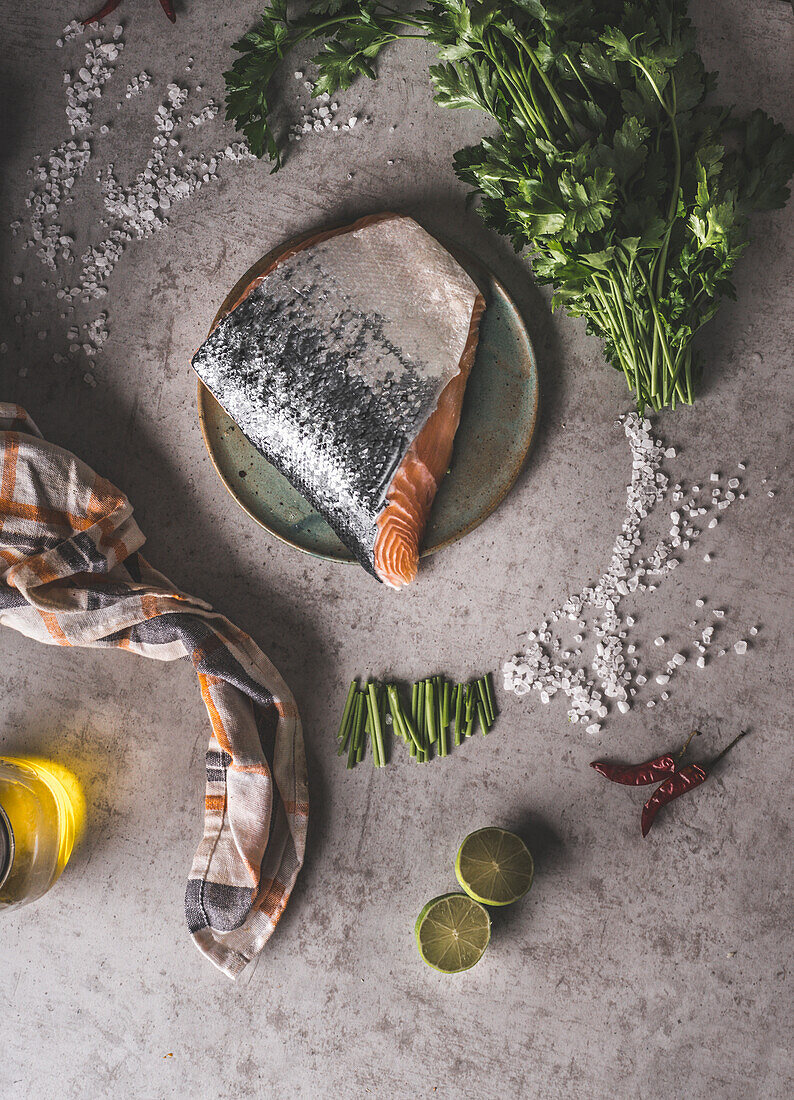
pixel 680 783
pixel 686 780
pixel 640 775
pixel 636 775
pixel 103 13
pixel 111 6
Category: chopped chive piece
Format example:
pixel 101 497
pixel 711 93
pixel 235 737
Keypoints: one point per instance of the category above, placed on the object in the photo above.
pixel 355 729
pixel 420 710
pixel 490 694
pixel 406 725
pixel 347 711
pixel 443 741
pixel 361 735
pixel 412 749
pixel 483 717
pixel 430 712
pixel 396 716
pixel 469 710
pixel 414 702
pixel 483 699
pixel 372 704
pixel 376 732
pixel 458 711
pixel 446 688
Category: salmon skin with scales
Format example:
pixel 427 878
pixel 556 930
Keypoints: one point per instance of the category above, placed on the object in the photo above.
pixel 345 365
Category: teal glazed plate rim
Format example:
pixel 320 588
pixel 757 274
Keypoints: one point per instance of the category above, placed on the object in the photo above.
pixel 497 426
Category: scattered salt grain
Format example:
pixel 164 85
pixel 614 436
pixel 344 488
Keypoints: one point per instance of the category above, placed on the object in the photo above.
pixel 707 557
pixel 740 647
pixel 714 477
pixel 663 678
pixel 701 662
pixel 713 523
pixel 658 641
pixel 699 603
pixel 753 631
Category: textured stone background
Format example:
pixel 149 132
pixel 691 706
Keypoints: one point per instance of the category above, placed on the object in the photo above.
pixel 656 968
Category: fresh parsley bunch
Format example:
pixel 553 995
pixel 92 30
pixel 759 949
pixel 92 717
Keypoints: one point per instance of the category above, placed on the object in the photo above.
pixel 608 167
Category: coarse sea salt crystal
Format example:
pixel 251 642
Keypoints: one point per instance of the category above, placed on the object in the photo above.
pixel 715 477
pixel 662 678
pixel 707 557
pixel 713 523
pixel 659 641
pixel 699 603
pixel 740 647
pixel 753 630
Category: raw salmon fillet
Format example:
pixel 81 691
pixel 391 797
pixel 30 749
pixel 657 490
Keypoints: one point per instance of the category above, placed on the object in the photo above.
pixel 345 362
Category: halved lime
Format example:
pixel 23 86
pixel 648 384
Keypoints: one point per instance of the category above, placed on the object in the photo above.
pixel 494 867
pixel 452 932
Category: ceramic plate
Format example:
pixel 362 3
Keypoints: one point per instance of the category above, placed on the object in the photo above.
pixel 498 422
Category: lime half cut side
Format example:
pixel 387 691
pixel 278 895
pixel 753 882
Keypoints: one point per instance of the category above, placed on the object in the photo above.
pixel 452 932
pixel 494 867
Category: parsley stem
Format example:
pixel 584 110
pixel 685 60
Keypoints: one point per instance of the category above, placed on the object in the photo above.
pixel 549 86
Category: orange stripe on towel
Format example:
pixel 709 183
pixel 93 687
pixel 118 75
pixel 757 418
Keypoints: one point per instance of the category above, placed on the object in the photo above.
pixel 215 718
pixel 215 803
pixel 53 627
pixel 9 480
pixel 272 898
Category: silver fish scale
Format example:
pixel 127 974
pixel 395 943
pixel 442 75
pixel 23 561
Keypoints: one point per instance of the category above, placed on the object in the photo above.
pixel 322 388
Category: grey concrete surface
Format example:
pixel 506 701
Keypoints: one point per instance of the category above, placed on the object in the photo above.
pixel 657 968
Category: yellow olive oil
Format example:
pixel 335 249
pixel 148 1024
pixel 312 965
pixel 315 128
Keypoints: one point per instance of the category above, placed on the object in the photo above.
pixel 40 809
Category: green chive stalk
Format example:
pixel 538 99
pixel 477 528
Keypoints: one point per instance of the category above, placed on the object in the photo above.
pixel 378 747
pixel 490 693
pixel 470 695
pixel 430 712
pixel 346 713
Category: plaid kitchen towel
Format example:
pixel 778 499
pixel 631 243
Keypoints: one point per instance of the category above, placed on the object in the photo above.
pixel 71 574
